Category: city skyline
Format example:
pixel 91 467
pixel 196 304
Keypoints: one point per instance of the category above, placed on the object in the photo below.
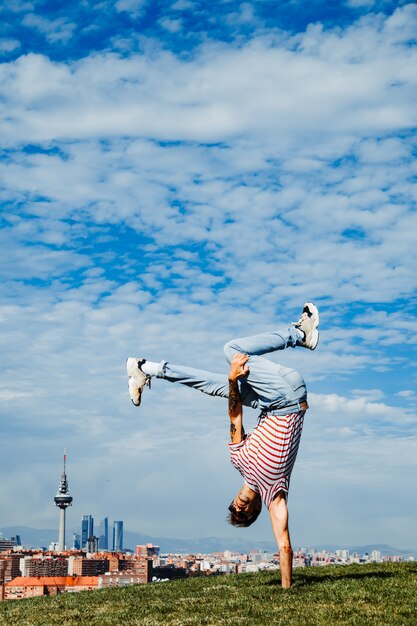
pixel 86 537
pixel 204 545
pixel 140 544
pixel 180 175
pixel 85 533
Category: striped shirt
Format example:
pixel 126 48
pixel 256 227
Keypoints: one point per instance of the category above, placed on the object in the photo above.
pixel 266 457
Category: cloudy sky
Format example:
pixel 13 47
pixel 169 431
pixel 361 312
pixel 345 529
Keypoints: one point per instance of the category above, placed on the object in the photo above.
pixel 174 174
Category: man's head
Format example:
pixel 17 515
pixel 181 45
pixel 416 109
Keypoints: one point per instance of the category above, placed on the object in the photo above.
pixel 245 508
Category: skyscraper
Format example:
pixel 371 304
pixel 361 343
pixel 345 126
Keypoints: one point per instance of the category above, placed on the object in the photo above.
pixel 90 526
pixel 84 531
pixel 103 540
pixel 62 500
pixel 76 541
pixel 118 536
pixel 87 529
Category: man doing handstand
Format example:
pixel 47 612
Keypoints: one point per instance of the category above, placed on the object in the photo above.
pixel 266 457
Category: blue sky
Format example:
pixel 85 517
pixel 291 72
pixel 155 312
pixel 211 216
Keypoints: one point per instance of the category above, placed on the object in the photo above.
pixel 173 176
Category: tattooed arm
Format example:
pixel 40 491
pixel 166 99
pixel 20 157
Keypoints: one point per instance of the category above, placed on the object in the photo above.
pixel 237 369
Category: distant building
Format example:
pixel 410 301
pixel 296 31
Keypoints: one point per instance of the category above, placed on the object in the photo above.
pixel 87 529
pixel 343 554
pixel 29 587
pixel 118 536
pixel 120 579
pixel 7 544
pixel 11 566
pixel 261 557
pixel 252 568
pixel 169 571
pixel 103 539
pixel 147 550
pixel 40 565
pixel 2 569
pixel 84 531
pixel 92 544
pixel 81 566
pixel 76 541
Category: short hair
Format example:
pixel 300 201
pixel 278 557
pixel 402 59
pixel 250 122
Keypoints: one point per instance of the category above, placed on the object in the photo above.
pixel 241 518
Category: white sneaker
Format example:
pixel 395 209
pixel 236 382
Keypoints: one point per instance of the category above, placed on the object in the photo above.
pixel 137 379
pixel 308 324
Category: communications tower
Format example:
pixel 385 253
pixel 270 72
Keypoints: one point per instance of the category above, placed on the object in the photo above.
pixel 62 500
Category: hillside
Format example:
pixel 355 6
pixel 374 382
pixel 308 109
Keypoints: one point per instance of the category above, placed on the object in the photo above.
pixel 352 594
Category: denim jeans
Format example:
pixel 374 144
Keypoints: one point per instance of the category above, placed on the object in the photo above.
pixel 269 386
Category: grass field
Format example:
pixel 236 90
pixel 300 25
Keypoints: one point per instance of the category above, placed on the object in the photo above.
pixel 351 594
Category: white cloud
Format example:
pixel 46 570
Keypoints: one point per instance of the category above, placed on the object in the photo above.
pixel 8 395
pixel 60 29
pixel 384 151
pixel 353 81
pixel 128 180
pixel 368 394
pixel 406 393
pixel 20 6
pixel 359 4
pixel 245 15
pixel 296 190
pixel 182 5
pixel 171 25
pixel 135 7
pixel 8 45
pixel 360 409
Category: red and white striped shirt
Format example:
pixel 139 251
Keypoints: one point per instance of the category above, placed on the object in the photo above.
pixel 266 457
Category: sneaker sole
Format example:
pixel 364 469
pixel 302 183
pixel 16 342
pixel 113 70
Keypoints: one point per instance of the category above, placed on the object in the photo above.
pixel 132 367
pixel 312 338
pixel 136 382
pixel 134 393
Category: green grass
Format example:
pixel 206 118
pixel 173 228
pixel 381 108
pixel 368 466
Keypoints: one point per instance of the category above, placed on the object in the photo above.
pixel 352 594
